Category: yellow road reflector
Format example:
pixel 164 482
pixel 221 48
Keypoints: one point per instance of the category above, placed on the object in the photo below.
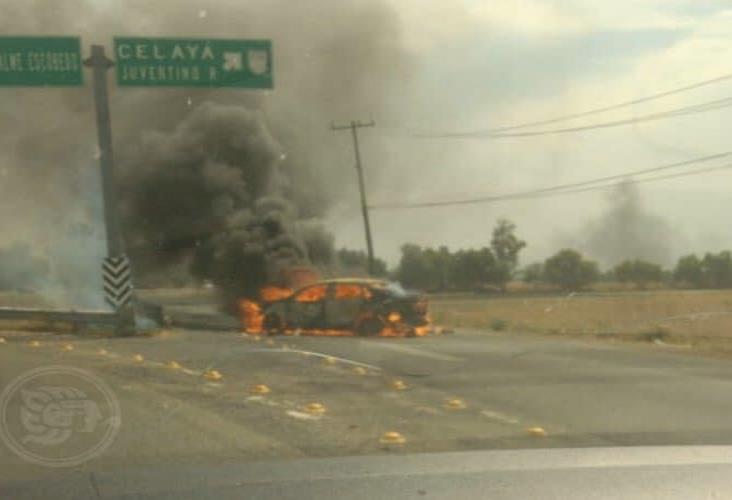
pixel 138 358
pixel 398 385
pixel 455 404
pixel 359 370
pixel 330 360
pixel 536 431
pixel 34 343
pixel 392 437
pixel 102 352
pixel 259 389
pixel 67 347
pixel 173 365
pixel 2 340
pixel 213 375
pixel 315 408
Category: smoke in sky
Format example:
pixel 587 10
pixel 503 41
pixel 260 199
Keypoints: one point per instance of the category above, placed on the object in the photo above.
pixel 202 172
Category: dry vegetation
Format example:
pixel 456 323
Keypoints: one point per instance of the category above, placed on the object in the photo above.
pixel 698 318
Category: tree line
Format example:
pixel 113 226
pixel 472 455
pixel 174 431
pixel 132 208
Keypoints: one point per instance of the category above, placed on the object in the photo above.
pixel 495 265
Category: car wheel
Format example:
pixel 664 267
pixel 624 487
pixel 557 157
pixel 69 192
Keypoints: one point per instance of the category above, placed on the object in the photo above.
pixel 272 323
pixel 369 327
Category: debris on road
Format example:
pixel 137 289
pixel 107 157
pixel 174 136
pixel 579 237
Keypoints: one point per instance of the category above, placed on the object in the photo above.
pixel 315 408
pixel 260 389
pixel 536 432
pixel 392 437
pixel 398 385
pixel 455 404
pixel 212 375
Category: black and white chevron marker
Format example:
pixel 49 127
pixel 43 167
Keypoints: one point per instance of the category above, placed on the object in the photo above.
pixel 117 281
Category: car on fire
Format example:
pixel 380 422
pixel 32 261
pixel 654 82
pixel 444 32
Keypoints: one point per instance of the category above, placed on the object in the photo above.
pixel 366 307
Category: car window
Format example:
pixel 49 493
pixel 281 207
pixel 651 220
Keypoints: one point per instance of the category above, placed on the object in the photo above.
pixel 314 293
pixel 344 291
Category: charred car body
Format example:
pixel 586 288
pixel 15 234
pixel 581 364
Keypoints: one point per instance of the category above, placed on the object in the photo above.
pixel 366 307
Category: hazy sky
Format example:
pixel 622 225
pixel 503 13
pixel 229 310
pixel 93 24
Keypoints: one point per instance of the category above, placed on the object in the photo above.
pixel 487 64
pixel 456 65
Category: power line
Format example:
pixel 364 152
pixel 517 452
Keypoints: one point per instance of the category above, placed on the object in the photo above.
pixel 574 187
pixel 354 126
pixel 652 97
pixel 683 111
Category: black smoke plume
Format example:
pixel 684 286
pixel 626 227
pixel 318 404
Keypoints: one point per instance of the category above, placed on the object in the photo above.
pixel 230 184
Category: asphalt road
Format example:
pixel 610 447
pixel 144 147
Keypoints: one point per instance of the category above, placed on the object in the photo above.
pixel 578 393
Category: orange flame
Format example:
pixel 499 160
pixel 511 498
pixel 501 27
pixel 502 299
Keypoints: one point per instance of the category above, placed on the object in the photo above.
pixel 272 293
pixel 252 317
pixel 312 294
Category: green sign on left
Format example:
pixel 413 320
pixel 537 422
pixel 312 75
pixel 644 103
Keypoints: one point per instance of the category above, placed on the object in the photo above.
pixel 34 61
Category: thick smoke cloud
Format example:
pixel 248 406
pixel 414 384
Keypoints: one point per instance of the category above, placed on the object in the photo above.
pixel 628 231
pixel 200 169
pixel 212 192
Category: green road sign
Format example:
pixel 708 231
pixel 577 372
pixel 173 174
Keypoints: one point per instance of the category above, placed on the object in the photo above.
pixel 167 62
pixel 30 60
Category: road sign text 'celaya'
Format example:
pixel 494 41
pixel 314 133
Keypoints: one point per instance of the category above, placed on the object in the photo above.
pixel 184 62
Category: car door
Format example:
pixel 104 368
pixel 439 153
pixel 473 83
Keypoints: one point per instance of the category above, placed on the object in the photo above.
pixel 344 304
pixel 307 307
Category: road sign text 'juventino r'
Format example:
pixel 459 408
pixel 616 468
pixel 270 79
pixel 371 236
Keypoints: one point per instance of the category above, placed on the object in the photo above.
pixel 167 62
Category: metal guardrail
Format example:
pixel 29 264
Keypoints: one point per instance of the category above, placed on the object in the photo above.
pixel 148 310
pixel 87 317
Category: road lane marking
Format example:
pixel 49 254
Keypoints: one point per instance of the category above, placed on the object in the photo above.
pixel 500 417
pixel 303 416
pixel 316 354
pixel 418 352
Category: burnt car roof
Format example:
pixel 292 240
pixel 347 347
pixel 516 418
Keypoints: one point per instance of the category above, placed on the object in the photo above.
pixel 389 286
pixel 355 281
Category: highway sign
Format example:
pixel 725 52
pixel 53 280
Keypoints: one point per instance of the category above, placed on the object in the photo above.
pixel 172 62
pixel 117 281
pixel 34 61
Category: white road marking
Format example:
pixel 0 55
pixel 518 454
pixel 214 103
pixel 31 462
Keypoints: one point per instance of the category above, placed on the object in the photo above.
pixel 315 354
pixel 303 416
pixel 418 352
pixel 500 417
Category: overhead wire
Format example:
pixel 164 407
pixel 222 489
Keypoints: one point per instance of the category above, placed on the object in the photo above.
pixel 573 187
pixel 581 114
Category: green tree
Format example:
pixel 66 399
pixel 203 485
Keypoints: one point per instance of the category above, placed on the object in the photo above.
pixel 416 270
pixel 638 272
pixel 506 247
pixel 717 270
pixel 533 273
pixel 356 261
pixel 569 270
pixel 689 271
pixel 439 262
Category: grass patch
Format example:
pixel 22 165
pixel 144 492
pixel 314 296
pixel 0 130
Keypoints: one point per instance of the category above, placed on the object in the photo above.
pixel 498 325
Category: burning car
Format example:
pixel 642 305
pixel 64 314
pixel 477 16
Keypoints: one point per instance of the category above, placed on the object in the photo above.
pixel 364 307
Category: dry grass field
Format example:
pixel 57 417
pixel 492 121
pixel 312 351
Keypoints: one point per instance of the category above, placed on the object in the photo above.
pixel 697 318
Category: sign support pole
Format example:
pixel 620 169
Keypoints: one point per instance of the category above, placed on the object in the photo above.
pixel 100 64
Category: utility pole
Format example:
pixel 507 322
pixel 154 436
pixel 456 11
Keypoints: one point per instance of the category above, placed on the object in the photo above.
pixel 354 126
pixel 116 260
